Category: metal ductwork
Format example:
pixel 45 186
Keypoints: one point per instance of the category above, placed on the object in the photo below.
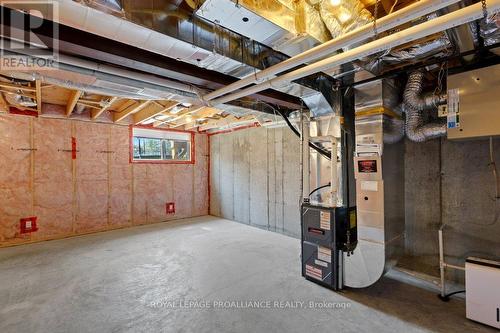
pixel 436 46
pixel 414 106
pixel 379 173
pixel 341 17
pixel 394 130
pixel 175 30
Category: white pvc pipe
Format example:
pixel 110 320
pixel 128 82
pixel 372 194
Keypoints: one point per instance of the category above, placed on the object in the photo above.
pixel 441 261
pixel 448 21
pixel 333 174
pixel 365 32
pixel 306 163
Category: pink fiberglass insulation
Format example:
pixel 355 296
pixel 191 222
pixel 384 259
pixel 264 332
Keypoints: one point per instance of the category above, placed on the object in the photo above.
pixel 99 190
pixel 15 189
pixel 53 177
pixel 201 175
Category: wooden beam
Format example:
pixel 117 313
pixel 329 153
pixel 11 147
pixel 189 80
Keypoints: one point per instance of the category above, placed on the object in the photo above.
pixel 73 99
pixel 18 93
pixel 190 120
pixel 130 110
pixel 90 101
pixel 144 115
pixel 80 102
pixel 38 87
pixel 229 120
pixel 96 113
pixel 207 112
pixel 18 87
pixel 179 115
pixel 4 106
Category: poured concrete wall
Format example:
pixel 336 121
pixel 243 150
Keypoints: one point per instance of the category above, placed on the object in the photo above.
pixel 255 178
pixel 99 190
pixel 462 170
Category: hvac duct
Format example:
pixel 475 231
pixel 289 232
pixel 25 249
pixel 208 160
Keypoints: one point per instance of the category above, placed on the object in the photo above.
pixel 414 106
pixel 343 16
pixel 365 32
pixel 439 24
pixel 379 173
pixel 174 30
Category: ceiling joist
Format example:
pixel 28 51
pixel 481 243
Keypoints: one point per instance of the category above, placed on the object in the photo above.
pixel 147 114
pixel 17 87
pixel 38 88
pixel 73 99
pixel 179 115
pixel 96 113
pixel 138 106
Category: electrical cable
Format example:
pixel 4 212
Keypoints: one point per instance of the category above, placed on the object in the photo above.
pixel 446 297
pixel 496 199
pixel 323 152
pixel 319 188
pixel 393 6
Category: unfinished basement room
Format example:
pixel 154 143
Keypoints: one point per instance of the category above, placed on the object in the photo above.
pixel 249 166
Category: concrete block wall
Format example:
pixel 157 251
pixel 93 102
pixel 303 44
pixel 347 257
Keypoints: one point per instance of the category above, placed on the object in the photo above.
pixel 99 190
pixel 255 178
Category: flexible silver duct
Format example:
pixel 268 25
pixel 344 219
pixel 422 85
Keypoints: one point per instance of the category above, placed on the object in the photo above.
pixel 415 104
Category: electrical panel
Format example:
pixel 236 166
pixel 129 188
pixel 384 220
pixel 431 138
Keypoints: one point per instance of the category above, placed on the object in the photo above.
pixel 482 287
pixel 473 109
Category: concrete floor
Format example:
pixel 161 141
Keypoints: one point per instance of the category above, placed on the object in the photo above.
pixel 133 280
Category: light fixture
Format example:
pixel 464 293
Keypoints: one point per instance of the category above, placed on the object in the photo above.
pixel 344 16
pixel 186 105
pixel 335 2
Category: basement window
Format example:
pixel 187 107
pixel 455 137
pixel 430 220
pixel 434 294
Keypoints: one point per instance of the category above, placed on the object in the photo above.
pixel 161 146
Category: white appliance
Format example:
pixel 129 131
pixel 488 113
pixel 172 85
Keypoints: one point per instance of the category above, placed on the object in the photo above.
pixel 482 285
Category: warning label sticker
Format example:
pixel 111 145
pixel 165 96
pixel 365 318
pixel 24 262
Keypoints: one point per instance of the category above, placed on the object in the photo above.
pixel 453 118
pixel 320 263
pixel 325 254
pixel 314 272
pixel 324 220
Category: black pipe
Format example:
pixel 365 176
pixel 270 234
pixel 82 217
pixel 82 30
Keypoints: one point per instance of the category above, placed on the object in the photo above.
pixel 320 150
pixel 319 188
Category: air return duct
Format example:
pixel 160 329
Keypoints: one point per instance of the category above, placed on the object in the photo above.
pixel 379 173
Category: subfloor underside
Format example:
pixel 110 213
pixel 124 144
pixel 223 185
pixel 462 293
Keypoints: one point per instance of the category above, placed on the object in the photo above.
pixel 199 275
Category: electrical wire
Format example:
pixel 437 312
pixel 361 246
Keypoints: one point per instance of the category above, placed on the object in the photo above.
pixel 319 188
pixel 320 150
pixel 446 297
pixel 494 169
pixel 496 199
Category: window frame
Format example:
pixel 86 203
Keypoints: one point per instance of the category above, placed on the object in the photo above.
pixel 152 161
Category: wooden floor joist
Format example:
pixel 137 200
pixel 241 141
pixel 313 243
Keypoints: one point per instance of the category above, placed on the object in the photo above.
pixel 147 114
pixel 17 87
pixel 179 115
pixel 38 87
pixel 73 99
pixel 4 106
pixel 96 113
pixel 130 110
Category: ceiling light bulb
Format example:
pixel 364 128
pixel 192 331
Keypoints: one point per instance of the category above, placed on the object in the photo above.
pixel 344 17
pixel 335 2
